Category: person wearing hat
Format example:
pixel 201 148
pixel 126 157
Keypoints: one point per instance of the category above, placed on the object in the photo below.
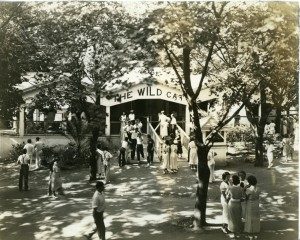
pixel 98 205
pixel 131 116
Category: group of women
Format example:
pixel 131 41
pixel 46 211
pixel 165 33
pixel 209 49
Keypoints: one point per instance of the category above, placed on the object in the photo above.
pixel 240 201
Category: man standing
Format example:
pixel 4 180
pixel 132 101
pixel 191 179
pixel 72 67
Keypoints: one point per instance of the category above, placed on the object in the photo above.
pixel 38 152
pixel 98 205
pixel 30 150
pixel 23 160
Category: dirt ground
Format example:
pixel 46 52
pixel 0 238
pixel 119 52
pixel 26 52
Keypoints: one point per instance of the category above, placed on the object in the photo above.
pixel 142 204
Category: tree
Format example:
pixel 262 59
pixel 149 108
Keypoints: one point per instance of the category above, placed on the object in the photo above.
pixel 87 44
pixel 274 64
pixel 192 38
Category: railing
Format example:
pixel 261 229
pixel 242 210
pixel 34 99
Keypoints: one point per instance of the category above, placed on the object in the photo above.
pixel 158 143
pixel 185 139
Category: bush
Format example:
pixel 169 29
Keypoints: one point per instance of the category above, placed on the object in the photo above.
pixel 241 134
pixel 14 153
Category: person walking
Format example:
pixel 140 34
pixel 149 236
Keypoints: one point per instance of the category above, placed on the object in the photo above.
pixel 179 145
pixel 285 147
pixel 123 119
pixel 173 124
pixel 223 188
pixel 139 147
pixel 150 149
pixel 234 197
pixel 252 218
pixel 23 160
pixel 173 157
pixel 106 163
pixel 134 134
pixel 270 155
pixel 211 164
pixel 166 156
pixel 123 156
pixel 100 167
pixel 56 182
pixel 98 205
pixel 38 149
pixel 30 151
pixel 193 159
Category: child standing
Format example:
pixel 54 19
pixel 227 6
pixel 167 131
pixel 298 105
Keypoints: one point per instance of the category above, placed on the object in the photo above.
pixel 106 162
pixel 150 149
pixel 23 159
pixel 139 147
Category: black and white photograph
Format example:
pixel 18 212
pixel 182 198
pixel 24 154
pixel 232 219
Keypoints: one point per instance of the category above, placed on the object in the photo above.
pixel 149 120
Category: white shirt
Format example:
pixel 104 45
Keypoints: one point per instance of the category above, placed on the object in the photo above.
pixel 139 126
pixel 98 201
pixel 134 135
pixel 30 148
pixel 131 116
pixel 173 120
pixel 38 146
pixel 106 157
pixel 23 159
pixel 139 140
pixel 123 118
pixel 270 149
pixel 124 144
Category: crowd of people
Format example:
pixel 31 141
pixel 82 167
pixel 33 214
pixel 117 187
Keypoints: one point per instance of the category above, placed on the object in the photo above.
pixel 240 203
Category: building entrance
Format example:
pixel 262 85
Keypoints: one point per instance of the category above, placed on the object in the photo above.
pixel 146 108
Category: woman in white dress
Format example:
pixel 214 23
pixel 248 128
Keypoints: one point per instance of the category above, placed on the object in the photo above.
pixel 193 161
pixel 166 156
pixel 173 157
pixel 252 218
pixel 55 178
pixel 235 195
pixel 164 127
pixel 223 188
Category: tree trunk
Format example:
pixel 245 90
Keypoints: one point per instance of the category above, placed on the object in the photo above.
pixel 264 113
pixel 202 187
pixel 203 172
pixel 278 120
pixel 259 148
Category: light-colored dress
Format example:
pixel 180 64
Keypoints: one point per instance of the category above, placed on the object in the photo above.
pixel 193 153
pixel 252 218
pixel 223 188
pixel 38 146
pixel 56 182
pixel 173 157
pixel 270 155
pixel 30 150
pixel 122 120
pixel 211 165
pixel 166 157
pixel 164 128
pixel 235 208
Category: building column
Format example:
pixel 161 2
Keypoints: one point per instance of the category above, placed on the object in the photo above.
pixel 22 121
pixel 187 120
pixel 107 121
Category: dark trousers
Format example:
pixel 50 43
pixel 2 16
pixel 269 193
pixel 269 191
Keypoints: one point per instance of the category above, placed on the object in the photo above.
pixel 99 221
pixel 133 146
pixel 150 156
pixel 139 151
pixel 23 179
pixel 122 159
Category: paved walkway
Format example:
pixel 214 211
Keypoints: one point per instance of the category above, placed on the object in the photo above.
pixel 142 204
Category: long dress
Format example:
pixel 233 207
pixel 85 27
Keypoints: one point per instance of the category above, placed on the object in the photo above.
pixel 223 188
pixel 211 165
pixel 173 157
pixel 252 218
pixel 166 157
pixel 164 128
pixel 122 120
pixel 56 182
pixel 235 208
pixel 193 153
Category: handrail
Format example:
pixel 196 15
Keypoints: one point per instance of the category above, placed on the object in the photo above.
pixel 158 142
pixel 185 139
